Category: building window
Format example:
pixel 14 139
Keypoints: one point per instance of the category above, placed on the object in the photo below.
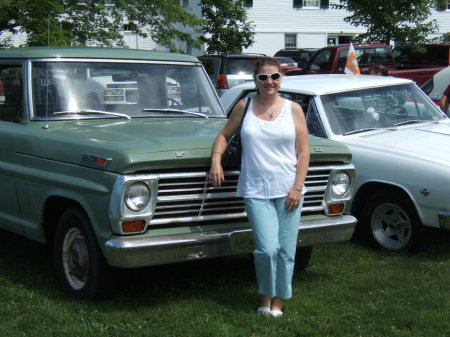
pixel 126 27
pixel 290 40
pixel 311 4
pixel 185 3
pixel 248 3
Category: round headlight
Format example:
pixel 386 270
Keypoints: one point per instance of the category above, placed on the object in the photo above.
pixel 137 196
pixel 340 184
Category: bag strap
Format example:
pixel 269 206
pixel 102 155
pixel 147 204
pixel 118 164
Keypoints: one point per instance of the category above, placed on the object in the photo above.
pixel 245 112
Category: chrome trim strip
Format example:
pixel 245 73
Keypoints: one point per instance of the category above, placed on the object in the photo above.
pixel 139 251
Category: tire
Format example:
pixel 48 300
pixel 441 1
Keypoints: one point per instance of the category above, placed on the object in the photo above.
pixel 389 221
pixel 302 257
pixel 81 269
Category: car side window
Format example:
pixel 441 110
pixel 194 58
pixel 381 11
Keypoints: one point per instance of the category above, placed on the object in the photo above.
pixel 383 56
pixel 321 60
pixel 342 58
pixel 315 127
pixel 11 93
pixel 209 66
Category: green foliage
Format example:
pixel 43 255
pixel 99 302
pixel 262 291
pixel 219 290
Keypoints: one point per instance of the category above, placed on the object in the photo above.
pixel 444 38
pixel 402 21
pixel 89 22
pixel 225 29
pixel 441 5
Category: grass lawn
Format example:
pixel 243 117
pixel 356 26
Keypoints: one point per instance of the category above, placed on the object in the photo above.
pixel 348 290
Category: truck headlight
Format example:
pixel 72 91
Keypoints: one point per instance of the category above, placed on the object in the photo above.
pixel 137 196
pixel 341 184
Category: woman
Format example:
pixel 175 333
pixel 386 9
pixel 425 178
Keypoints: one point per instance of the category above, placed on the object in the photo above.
pixel 275 159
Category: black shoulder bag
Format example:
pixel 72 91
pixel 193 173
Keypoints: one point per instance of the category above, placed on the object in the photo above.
pixel 231 158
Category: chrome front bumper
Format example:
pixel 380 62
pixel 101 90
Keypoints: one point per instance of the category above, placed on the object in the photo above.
pixel 126 252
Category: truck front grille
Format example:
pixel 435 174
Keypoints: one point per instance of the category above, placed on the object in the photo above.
pixel 189 197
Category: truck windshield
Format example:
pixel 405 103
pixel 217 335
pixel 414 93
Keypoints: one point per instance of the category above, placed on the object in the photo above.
pixel 385 107
pixel 60 90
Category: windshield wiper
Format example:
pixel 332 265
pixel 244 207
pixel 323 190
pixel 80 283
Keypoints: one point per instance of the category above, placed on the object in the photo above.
pixel 412 121
pixel 89 111
pixel 176 111
pixel 359 130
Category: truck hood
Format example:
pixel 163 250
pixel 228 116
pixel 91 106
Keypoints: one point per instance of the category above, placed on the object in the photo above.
pixel 429 141
pixel 131 145
pixel 139 145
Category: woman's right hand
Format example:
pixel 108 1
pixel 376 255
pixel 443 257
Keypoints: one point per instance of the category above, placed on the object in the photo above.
pixel 216 176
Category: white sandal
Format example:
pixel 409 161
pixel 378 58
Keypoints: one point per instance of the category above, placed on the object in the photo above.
pixel 263 311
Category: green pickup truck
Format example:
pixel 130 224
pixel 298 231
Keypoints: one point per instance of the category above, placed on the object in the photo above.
pixel 105 156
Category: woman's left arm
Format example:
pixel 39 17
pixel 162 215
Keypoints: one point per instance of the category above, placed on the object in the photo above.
pixel 302 148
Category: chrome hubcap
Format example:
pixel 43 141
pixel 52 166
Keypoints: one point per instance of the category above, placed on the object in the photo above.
pixel 75 258
pixel 391 226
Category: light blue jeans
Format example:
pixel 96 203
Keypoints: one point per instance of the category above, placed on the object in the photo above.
pixel 275 232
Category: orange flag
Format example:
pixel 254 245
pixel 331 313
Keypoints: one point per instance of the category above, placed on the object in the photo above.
pixel 351 66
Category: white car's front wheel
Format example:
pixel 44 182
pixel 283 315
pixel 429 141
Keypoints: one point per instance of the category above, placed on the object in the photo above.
pixel 390 221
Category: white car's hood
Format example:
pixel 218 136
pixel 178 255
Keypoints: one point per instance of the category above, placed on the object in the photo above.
pixel 430 141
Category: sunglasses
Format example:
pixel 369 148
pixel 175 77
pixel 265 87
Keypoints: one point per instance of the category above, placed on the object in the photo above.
pixel 265 77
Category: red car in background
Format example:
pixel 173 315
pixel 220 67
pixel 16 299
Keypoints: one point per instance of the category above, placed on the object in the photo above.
pixel 286 63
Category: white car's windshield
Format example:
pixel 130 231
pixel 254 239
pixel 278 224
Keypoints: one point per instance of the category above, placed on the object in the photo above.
pixel 368 109
pixel 68 90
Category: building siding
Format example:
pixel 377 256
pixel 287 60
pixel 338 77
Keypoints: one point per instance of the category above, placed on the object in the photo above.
pixel 273 19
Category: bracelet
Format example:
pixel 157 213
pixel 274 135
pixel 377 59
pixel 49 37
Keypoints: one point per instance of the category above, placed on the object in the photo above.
pixel 217 152
pixel 299 188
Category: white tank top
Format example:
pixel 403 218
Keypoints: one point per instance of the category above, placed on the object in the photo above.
pixel 269 157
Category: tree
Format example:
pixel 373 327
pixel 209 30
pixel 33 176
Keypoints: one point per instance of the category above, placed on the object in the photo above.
pixel 403 21
pixel 225 29
pixel 90 22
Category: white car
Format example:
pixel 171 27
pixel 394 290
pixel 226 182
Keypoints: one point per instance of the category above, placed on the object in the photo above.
pixel 400 143
pixel 436 85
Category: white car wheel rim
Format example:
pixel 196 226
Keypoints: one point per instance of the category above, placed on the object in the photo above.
pixel 391 226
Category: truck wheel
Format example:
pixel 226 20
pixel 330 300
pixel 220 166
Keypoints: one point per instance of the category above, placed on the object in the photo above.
pixel 302 257
pixel 81 269
pixel 390 222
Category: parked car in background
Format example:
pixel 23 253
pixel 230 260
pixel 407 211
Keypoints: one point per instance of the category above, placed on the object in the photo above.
pixel 301 56
pixel 331 60
pixel 228 70
pixel 436 85
pixel 433 55
pixel 286 63
pixel 400 143
pixel 124 183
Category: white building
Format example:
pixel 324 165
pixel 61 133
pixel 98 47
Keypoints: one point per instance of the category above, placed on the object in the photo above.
pixel 308 23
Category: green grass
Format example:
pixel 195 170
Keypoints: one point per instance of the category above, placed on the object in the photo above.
pixel 348 290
